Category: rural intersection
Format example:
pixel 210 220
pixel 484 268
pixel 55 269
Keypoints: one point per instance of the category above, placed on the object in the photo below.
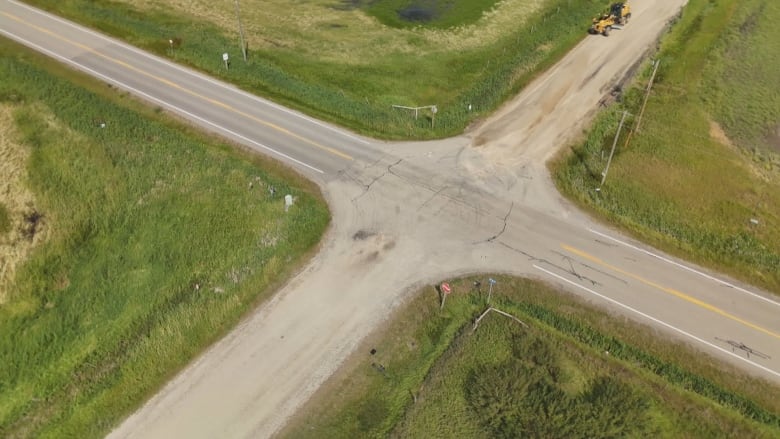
pixel 410 214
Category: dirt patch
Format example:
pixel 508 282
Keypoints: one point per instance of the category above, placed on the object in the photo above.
pixel 760 163
pixel 717 134
pixel 25 222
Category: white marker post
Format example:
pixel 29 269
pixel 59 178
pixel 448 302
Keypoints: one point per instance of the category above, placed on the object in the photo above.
pixel 288 201
pixel 434 110
pixel 492 282
pixel 225 58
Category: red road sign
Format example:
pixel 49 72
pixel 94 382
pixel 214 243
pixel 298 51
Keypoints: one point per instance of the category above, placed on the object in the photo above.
pixel 445 288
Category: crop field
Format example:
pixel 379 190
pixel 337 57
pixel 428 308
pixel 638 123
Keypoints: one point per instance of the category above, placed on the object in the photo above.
pixel 701 178
pixel 350 61
pixel 565 370
pixel 135 242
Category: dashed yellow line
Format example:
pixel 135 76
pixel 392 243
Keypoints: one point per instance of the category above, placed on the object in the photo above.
pixel 671 291
pixel 172 84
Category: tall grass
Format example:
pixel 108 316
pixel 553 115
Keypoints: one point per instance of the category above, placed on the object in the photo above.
pixel 309 67
pixel 160 240
pixel 699 179
pixel 565 375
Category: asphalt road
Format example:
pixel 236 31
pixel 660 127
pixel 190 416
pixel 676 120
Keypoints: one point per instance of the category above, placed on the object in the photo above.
pixel 425 211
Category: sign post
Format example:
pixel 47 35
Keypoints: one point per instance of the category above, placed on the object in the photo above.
pixel 492 282
pixel 445 291
pixel 225 58
pixel 434 110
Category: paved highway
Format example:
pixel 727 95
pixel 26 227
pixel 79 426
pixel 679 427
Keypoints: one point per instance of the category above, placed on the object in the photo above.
pixel 425 211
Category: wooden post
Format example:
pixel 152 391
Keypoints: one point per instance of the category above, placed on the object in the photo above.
pixel 647 95
pixel 612 152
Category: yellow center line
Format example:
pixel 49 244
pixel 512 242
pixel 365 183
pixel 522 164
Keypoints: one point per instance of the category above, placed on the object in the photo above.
pixel 671 291
pixel 179 87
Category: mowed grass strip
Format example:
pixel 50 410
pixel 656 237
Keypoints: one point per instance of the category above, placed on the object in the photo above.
pixel 701 179
pixel 158 240
pixel 573 371
pixel 335 61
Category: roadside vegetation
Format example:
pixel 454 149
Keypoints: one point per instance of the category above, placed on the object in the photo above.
pixel 701 178
pixel 5 220
pixel 568 370
pixel 153 241
pixel 336 60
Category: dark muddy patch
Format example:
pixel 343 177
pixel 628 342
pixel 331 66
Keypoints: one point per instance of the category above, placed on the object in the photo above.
pixel 362 235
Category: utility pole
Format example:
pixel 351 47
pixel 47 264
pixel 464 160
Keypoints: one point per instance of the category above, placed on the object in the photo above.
pixel 647 94
pixel 611 153
pixel 240 30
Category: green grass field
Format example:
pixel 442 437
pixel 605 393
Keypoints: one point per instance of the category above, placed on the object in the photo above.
pixel 156 245
pixel 574 371
pixel 707 158
pixel 335 60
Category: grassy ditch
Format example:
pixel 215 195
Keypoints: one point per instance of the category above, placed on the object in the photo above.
pixel 427 373
pixel 701 179
pixel 335 61
pixel 158 240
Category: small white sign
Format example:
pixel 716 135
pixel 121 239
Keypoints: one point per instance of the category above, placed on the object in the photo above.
pixel 225 56
pixel 288 201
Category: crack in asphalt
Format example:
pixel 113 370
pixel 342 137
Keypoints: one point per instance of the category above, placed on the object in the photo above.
pixel 503 229
pixel 350 177
pixel 435 194
pixel 596 269
pixel 522 252
pixel 422 184
pixel 571 266
pixel 367 187
pixel 533 258
pixel 573 271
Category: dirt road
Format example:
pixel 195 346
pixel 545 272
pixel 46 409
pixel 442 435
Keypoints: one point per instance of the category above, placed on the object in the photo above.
pixel 554 110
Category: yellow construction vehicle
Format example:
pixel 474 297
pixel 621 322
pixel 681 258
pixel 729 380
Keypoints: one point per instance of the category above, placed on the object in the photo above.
pixel 619 14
